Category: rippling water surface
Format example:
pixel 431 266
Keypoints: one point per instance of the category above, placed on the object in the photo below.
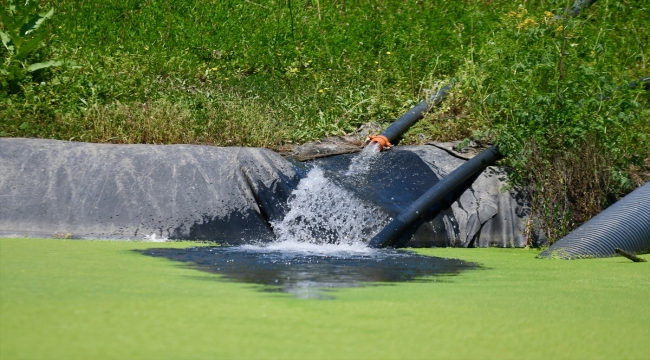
pixel 312 271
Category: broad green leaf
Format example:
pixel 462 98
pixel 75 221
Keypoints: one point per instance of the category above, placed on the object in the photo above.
pixel 29 46
pixel 46 14
pixel 26 11
pixel 45 64
pixel 72 64
pixel 35 22
pixel 6 40
pixel 16 40
pixel 19 21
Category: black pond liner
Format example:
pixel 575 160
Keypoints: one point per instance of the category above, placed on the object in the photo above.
pixel 312 274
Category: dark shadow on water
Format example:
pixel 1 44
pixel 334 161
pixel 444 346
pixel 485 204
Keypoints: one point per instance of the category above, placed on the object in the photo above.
pixel 313 274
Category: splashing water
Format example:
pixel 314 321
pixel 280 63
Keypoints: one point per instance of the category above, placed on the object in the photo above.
pixel 322 212
pixel 296 247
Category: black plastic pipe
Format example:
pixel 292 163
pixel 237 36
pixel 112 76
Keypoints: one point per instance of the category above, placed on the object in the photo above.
pixel 389 234
pixel 412 116
pixel 624 225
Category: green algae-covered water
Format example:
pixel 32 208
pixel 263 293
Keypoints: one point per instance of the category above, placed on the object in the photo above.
pixel 100 299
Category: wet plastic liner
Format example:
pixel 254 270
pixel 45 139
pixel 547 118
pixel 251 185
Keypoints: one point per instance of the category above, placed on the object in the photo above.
pixel 624 225
pixel 387 236
pixel 62 189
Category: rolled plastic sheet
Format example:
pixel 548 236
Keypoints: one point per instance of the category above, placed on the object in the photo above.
pixel 52 188
pixel 234 195
pixel 433 196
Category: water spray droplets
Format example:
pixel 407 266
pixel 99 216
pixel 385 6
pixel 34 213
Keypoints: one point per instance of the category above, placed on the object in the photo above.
pixel 360 164
pixel 322 212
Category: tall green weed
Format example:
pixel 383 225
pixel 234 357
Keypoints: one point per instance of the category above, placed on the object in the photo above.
pixel 553 92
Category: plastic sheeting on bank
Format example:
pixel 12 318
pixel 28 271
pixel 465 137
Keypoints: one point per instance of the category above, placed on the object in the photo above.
pixel 476 214
pixel 69 189
pixel 230 195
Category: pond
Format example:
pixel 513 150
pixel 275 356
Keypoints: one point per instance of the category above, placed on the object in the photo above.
pixel 313 271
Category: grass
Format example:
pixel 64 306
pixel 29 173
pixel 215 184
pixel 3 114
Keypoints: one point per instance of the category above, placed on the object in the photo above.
pixel 98 299
pixel 323 67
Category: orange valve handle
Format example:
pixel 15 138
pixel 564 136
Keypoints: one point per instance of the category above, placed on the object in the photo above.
pixel 381 140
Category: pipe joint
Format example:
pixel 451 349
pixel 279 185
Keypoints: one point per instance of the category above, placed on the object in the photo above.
pixel 381 140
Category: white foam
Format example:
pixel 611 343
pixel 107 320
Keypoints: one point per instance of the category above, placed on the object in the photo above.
pixel 154 238
pixel 358 248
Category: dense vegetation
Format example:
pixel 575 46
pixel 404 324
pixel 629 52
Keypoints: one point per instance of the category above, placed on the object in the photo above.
pixel 548 87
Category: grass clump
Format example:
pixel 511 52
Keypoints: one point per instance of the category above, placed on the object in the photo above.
pixel 550 88
pixel 324 68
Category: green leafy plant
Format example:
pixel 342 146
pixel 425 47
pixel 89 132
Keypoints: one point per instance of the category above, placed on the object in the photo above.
pixel 569 129
pixel 22 35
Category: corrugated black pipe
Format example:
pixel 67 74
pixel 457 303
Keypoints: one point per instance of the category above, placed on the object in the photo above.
pixel 624 225
pixel 390 233
pixel 412 116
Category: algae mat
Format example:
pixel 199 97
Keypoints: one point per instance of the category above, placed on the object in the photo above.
pixel 77 299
